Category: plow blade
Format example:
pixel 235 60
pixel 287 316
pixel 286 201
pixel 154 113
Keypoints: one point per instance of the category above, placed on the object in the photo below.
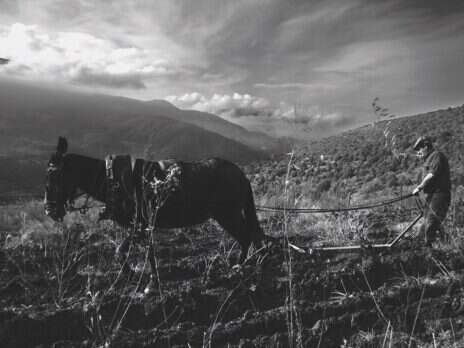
pixel 348 248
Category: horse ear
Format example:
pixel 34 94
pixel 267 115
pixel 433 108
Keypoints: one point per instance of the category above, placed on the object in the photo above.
pixel 62 146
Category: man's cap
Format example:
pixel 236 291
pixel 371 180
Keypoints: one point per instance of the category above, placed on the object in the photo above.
pixel 422 142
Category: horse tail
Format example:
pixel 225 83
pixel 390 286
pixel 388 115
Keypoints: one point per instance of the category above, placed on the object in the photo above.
pixel 252 223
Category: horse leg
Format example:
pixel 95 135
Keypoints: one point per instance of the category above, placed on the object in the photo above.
pixel 233 221
pixel 252 224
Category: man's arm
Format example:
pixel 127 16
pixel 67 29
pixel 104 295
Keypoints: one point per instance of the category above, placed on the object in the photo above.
pixel 424 182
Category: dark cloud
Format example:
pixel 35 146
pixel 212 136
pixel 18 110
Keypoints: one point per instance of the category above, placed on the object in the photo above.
pixel 4 61
pixel 286 39
pixel 250 112
pixel 88 77
pixel 427 8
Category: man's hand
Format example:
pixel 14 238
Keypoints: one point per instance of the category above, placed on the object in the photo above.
pixel 416 190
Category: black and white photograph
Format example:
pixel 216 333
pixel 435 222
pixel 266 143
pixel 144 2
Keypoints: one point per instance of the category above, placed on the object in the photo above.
pixel 231 173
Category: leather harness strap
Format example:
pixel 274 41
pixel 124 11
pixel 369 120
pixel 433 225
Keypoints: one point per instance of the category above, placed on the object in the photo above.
pixel 116 187
pixel 110 200
pixel 125 179
pixel 162 165
pixel 109 167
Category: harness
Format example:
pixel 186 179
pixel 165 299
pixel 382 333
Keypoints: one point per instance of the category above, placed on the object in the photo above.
pixel 119 184
pixel 131 184
pixel 54 168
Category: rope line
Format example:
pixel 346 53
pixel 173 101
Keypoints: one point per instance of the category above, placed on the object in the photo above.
pixel 331 210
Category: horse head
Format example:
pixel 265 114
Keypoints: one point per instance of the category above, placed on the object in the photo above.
pixel 58 188
pixel 71 175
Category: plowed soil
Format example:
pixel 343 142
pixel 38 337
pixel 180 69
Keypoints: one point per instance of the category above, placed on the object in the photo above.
pixel 78 295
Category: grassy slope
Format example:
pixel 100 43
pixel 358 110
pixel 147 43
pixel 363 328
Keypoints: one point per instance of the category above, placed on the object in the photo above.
pixel 364 161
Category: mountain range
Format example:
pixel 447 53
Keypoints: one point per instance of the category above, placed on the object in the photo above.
pixel 32 118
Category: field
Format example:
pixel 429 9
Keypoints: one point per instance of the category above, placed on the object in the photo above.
pixel 61 285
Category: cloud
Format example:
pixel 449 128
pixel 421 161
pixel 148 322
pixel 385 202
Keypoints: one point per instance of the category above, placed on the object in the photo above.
pixel 88 77
pixel 9 6
pixel 285 123
pixel 361 56
pixel 257 113
pixel 80 58
pixel 335 54
pixel 224 105
pixel 4 61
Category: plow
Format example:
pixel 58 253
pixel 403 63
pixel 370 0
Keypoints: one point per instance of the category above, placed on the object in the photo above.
pixel 347 248
pixel 350 248
pixel 453 302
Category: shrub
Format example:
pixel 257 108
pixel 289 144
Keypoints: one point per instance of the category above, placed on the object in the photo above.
pixel 372 186
pixel 323 186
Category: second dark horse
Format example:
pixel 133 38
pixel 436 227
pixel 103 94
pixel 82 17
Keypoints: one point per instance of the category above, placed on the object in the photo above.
pixel 213 188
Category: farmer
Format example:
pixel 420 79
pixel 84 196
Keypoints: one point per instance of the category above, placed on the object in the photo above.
pixel 436 185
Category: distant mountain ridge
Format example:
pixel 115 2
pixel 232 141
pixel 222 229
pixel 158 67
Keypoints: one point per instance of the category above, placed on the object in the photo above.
pixel 36 114
pixel 31 119
pixel 218 125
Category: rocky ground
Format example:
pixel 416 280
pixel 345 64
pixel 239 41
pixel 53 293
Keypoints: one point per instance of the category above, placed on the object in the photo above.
pixel 73 293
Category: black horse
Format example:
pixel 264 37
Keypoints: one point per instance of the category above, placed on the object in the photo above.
pixel 167 194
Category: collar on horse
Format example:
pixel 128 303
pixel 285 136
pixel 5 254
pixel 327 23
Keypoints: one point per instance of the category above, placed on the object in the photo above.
pixel 119 183
pixel 126 183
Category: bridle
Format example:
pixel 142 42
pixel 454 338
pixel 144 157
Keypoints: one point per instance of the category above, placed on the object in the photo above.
pixel 61 198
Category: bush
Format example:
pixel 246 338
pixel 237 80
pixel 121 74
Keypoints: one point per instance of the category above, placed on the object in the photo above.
pixel 372 186
pixel 348 172
pixel 391 179
pixel 323 186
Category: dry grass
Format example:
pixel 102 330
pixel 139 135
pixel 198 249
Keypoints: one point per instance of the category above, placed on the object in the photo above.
pixel 26 225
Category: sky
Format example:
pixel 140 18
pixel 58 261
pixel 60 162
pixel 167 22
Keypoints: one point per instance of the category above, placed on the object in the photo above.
pixel 301 68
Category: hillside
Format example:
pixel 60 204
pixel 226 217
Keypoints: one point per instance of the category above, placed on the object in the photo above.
pixel 21 102
pixel 32 118
pixel 218 125
pixel 63 283
pixel 363 162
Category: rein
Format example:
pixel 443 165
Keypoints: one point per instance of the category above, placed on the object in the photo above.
pixel 331 210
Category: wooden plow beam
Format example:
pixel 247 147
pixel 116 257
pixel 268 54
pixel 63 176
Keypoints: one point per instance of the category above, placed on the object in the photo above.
pixel 349 248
